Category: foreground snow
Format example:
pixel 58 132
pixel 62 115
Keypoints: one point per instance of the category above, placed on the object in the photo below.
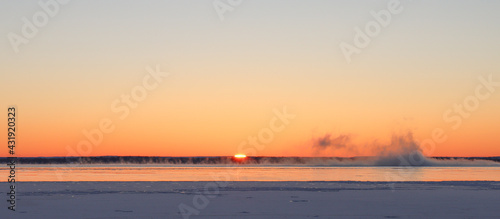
pixel 255 200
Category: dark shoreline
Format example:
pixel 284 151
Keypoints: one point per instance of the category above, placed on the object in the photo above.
pixel 201 160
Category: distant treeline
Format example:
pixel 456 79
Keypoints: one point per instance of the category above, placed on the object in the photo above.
pixel 120 159
pixel 194 160
pixel 164 160
pixel 496 159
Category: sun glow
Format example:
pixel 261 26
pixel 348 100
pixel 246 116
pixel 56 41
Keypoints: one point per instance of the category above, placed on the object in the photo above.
pixel 240 156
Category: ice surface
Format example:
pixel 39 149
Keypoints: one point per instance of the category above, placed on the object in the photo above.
pixel 257 200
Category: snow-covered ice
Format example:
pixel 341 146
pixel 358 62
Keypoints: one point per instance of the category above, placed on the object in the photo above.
pixel 256 200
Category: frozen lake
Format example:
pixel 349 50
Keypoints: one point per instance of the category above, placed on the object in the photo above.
pixel 266 200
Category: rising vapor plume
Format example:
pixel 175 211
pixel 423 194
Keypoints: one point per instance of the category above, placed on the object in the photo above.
pixel 402 150
pixel 328 141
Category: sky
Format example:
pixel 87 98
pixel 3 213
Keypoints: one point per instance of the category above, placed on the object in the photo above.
pixel 204 78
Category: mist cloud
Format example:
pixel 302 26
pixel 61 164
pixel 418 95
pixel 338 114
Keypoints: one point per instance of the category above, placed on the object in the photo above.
pixel 328 141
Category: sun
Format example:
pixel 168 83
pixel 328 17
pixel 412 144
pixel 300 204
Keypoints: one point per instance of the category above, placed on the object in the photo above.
pixel 240 156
